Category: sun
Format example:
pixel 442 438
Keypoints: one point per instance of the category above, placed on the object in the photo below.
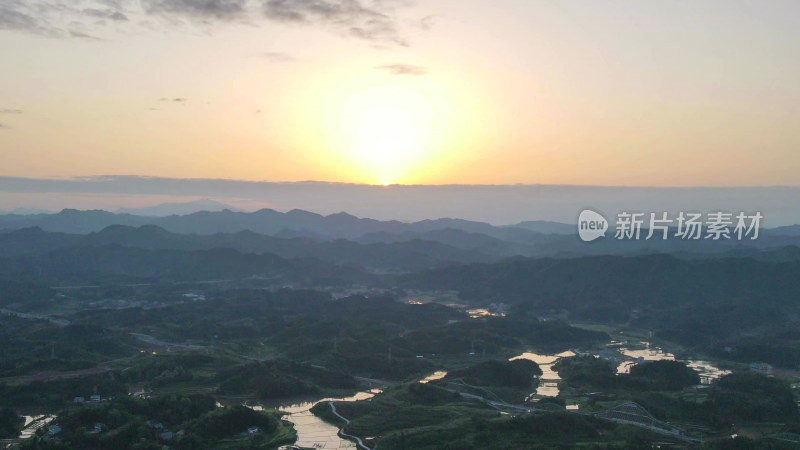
pixel 369 128
pixel 387 130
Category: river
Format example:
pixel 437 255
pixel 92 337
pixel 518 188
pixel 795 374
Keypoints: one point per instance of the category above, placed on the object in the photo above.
pixel 313 432
pixel 623 355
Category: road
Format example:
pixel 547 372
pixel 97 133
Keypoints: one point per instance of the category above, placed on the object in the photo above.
pixel 341 430
pixel 511 408
pixel 374 381
pixel 54 320
pixel 146 338
pixel 50 376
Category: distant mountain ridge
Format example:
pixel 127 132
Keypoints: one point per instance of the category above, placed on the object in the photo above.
pixel 413 254
pixel 264 221
pixel 116 264
pixel 168 209
pixel 298 233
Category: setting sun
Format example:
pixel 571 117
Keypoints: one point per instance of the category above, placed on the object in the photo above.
pixel 387 130
pixel 381 131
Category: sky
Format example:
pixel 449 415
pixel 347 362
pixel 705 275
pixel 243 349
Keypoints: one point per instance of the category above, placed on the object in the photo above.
pixel 612 93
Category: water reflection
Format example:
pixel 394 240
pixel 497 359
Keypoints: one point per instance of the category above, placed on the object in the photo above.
pixel 708 371
pixel 642 354
pixel 438 375
pixel 624 357
pixel 481 312
pixel 548 382
pixel 313 432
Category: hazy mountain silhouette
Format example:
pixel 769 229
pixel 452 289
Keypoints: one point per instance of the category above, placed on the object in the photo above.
pixel 265 221
pixel 114 263
pixel 168 209
pixel 546 227
pixel 408 255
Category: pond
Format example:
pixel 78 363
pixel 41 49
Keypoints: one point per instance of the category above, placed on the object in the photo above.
pixel 548 382
pixel 645 352
pixel 625 356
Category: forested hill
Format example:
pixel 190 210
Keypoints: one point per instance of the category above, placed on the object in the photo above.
pixel 636 281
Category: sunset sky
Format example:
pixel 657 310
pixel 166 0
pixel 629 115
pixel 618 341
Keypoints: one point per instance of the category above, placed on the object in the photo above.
pixel 618 93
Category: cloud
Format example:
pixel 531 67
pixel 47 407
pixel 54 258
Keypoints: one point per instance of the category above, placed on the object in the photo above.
pixel 107 13
pixel 304 10
pixel 277 57
pixel 13 17
pixel 218 9
pixel 404 69
pixel 80 35
pixel 371 23
pixel 8 112
pixel 373 20
pixel 427 22
pixel 49 18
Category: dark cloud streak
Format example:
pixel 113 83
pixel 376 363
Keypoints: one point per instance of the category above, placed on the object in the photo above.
pixel 109 14
pixel 369 23
pixel 372 20
pixel 218 9
pixel 11 18
pixel 277 57
pixel 404 69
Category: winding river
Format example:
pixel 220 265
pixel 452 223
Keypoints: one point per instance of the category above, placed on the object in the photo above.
pixel 313 432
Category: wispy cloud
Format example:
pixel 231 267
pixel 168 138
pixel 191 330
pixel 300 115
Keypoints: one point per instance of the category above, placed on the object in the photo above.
pixel 54 18
pixel 375 23
pixel 404 69
pixel 105 13
pixel 373 20
pixel 277 57
pixel 14 17
pixel 81 35
pixel 427 23
pixel 217 9
pixel 8 111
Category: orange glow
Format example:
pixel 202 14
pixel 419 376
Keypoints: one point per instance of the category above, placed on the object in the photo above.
pixel 380 131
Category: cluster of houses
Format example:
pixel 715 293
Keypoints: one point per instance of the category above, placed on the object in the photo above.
pixel 167 435
pixel 761 367
pixel 92 399
pixel 252 431
pixel 162 433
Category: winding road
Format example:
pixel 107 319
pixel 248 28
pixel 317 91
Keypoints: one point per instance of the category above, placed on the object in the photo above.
pixel 341 430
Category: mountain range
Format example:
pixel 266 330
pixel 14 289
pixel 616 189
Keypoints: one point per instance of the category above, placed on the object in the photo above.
pixel 345 239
